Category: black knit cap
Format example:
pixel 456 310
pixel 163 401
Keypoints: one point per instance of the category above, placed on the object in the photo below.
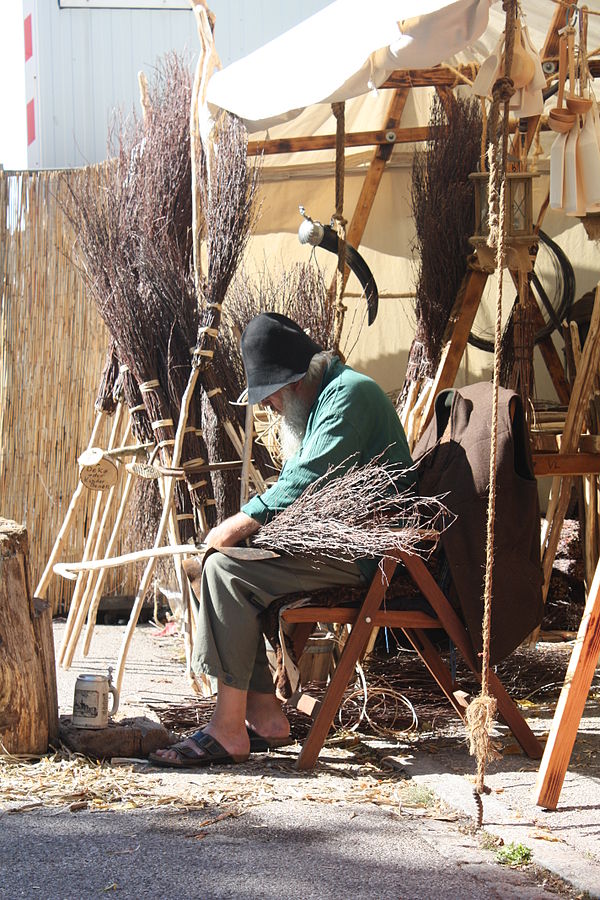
pixel 276 352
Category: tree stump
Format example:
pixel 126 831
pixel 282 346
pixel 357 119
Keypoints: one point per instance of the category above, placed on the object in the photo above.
pixel 28 696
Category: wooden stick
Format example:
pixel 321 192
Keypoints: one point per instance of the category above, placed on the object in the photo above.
pixel 238 445
pixel 571 703
pixel 86 599
pixel 87 551
pixel 247 455
pixel 40 591
pixel 160 534
pixel 71 570
pixel 95 600
pixel 81 580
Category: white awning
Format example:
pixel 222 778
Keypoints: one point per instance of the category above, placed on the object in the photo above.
pixel 345 50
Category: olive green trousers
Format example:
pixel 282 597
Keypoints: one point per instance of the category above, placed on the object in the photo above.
pixel 229 645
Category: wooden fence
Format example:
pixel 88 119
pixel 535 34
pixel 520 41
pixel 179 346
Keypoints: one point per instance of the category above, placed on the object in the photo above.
pixel 52 349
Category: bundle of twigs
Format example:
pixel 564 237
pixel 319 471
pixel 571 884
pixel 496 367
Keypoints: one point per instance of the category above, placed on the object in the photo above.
pixel 355 513
pixel 135 247
pixel 442 202
pixel 230 213
pixel 106 401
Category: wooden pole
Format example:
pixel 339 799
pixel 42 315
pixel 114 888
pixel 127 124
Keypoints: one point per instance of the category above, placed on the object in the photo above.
pixel 571 703
pixel 87 553
pixel 61 537
pixel 95 600
pixel 92 578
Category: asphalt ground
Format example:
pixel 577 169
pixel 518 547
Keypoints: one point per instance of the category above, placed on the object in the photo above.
pixel 350 828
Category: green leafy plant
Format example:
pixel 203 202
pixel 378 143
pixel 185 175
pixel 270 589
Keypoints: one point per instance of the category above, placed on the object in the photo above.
pixel 514 855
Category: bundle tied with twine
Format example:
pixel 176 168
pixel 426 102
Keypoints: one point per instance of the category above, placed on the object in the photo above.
pixel 230 211
pixel 358 512
pixel 443 210
pixel 135 249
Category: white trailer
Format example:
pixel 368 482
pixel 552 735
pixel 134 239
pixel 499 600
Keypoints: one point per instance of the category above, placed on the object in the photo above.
pixel 82 58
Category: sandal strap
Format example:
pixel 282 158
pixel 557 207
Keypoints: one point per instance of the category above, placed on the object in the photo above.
pixel 207 744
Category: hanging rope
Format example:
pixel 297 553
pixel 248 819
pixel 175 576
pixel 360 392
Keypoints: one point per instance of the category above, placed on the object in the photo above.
pixel 480 712
pixel 338 221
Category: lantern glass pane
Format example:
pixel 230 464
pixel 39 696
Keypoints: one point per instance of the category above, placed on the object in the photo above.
pixel 484 226
pixel 519 207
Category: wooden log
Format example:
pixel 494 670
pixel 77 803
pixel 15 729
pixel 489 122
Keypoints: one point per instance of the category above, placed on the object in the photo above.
pixel 571 703
pixel 28 698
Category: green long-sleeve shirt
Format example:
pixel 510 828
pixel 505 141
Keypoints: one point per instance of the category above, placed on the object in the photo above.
pixel 351 421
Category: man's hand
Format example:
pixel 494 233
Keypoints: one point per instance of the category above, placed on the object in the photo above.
pixel 233 530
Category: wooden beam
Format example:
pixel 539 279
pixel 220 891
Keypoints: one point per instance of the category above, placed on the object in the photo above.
pixel 456 336
pixel 368 192
pixel 550 356
pixel 442 76
pixel 436 76
pixel 566 464
pixel 327 141
pixel 571 703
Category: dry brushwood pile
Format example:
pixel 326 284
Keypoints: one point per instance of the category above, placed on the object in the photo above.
pixel 395 698
pixel 357 512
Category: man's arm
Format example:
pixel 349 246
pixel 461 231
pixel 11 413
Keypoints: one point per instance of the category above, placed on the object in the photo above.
pixel 231 531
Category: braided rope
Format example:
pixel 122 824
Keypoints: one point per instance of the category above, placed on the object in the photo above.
pixel 480 713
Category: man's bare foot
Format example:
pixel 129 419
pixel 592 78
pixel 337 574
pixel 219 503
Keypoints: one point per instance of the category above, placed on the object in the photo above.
pixel 265 716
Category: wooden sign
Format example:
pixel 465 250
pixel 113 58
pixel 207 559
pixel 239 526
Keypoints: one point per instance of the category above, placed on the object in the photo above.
pixel 97 471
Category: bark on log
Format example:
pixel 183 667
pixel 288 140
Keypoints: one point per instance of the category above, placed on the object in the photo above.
pixel 28 697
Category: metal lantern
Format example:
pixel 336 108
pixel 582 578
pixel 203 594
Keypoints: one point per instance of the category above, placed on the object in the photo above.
pixel 519 220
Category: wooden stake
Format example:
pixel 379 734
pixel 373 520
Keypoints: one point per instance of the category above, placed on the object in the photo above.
pixel 87 551
pixel 571 703
pixel 95 600
pixel 41 589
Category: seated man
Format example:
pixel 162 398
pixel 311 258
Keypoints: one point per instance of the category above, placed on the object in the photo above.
pixel 331 415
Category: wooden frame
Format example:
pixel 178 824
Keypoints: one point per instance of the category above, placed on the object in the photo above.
pixel 372 613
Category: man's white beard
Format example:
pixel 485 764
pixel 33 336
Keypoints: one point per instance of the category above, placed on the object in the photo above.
pixel 293 423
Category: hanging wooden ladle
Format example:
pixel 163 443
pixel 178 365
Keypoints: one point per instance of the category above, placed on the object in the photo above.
pixel 561 119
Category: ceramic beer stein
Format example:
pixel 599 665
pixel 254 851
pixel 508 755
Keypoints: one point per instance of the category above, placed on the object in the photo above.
pixel 90 703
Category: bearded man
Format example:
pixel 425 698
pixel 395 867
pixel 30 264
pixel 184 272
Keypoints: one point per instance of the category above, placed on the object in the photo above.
pixel 331 417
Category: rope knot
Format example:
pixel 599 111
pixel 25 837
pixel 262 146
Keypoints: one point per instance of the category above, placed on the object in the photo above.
pixel 503 89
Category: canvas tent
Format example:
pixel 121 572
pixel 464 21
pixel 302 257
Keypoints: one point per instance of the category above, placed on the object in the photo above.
pixel 286 87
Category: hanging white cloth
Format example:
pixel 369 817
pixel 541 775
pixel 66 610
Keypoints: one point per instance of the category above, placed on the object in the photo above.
pixel 345 50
